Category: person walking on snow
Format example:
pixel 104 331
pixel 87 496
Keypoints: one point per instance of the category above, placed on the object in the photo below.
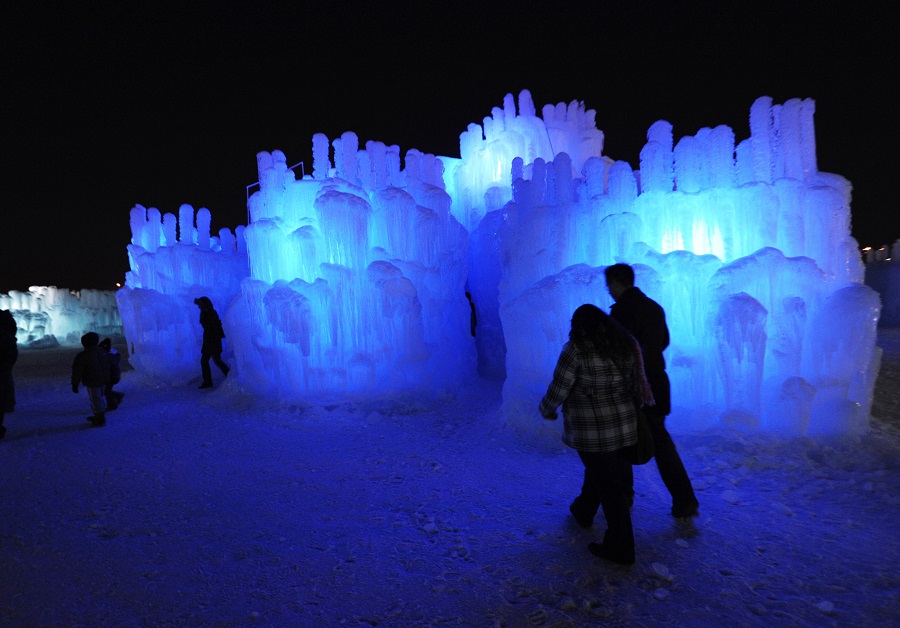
pixel 596 379
pixel 93 368
pixel 645 319
pixel 212 341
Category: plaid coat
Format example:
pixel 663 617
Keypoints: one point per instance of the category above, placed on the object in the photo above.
pixel 598 403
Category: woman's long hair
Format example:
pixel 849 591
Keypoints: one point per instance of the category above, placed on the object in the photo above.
pixel 593 328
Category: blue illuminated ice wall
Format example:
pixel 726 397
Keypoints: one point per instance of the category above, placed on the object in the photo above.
pixel 357 272
pixel 357 276
pixel 47 316
pixel 173 261
pixel 747 248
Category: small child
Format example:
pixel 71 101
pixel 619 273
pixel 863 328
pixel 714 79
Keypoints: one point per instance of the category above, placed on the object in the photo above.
pixel 113 397
pixel 93 367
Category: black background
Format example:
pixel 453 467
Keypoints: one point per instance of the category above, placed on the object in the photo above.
pixel 107 105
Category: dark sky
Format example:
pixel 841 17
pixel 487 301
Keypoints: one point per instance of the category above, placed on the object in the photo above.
pixel 106 105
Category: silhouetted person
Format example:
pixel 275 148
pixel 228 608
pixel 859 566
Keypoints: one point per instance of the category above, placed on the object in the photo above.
pixel 212 340
pixel 646 320
pixel 113 397
pixel 9 353
pixel 596 378
pixel 93 368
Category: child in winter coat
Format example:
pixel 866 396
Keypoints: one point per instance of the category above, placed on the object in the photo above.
pixel 93 368
pixel 113 397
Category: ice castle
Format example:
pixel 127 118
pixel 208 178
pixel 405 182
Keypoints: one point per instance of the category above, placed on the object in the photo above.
pixel 47 316
pixel 354 279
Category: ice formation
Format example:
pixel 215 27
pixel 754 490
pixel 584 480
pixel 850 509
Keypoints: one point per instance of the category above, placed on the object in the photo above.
pixel 353 278
pixel 357 278
pixel 174 260
pixel 48 316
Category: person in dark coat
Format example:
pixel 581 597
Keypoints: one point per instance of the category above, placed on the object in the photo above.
pixel 212 340
pixel 9 353
pixel 595 380
pixel 93 368
pixel 646 320
pixel 113 397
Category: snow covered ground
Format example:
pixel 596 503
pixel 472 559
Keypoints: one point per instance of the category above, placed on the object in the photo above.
pixel 212 508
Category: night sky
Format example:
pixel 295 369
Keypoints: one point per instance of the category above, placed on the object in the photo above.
pixel 107 105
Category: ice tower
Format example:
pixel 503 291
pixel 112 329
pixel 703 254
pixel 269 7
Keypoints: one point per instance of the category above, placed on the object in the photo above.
pixel 357 275
pixel 173 261
pixel 747 247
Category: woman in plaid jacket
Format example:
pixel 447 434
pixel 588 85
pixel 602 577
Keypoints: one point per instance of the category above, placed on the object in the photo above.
pixel 597 378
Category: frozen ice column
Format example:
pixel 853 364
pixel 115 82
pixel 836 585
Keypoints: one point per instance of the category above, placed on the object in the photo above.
pixel 173 261
pixel 745 245
pixel 480 181
pixel 357 275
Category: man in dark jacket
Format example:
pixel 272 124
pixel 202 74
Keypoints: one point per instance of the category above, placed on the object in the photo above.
pixel 646 320
pixel 93 368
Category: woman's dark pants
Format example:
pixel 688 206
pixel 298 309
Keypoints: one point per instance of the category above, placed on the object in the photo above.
pixel 607 481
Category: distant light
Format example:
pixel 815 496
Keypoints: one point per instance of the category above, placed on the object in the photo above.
pixel 868 248
pixel 118 285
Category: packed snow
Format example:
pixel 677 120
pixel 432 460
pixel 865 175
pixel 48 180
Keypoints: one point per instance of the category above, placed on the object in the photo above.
pixel 214 507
